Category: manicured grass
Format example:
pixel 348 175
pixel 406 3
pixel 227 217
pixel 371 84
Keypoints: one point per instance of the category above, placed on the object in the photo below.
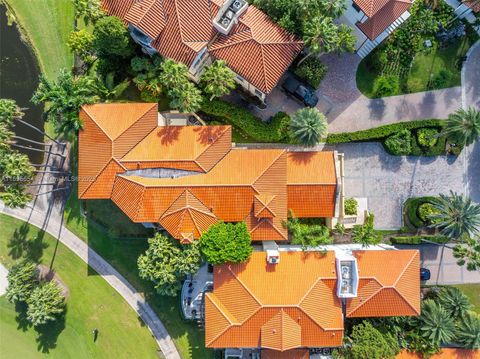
pixel 424 67
pixel 122 254
pixel 473 292
pixel 91 303
pixel 47 25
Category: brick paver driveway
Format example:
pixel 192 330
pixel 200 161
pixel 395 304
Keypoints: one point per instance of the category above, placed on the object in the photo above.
pixel 387 181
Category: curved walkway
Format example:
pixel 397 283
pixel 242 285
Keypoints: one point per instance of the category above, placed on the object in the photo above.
pixel 110 274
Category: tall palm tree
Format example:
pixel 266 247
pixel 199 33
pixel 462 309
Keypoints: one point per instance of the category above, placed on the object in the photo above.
pixel 468 331
pixel 6 136
pixel 15 197
pixel 463 126
pixel 320 35
pixel 173 75
pixel 435 323
pixel 16 167
pixel 308 125
pixel 186 98
pixel 9 111
pixel 455 216
pixel 64 98
pixel 217 79
pixel 454 301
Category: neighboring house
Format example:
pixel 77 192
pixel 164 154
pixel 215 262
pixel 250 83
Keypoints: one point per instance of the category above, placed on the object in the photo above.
pixel 197 32
pixel 466 9
pixel 373 20
pixel 300 300
pixel 186 178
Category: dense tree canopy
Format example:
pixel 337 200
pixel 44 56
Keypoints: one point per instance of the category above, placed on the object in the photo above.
pixel 217 79
pixel 468 253
pixel 45 303
pixel 185 98
pixel 166 263
pixel 81 43
pixel 111 38
pixel 89 10
pixel 365 234
pixel 22 279
pixel 226 242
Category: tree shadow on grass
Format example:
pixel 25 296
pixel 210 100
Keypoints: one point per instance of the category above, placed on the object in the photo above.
pixel 22 323
pixel 20 246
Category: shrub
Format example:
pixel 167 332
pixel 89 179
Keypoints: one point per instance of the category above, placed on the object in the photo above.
pixel 351 206
pixel 418 239
pixel 440 80
pixel 238 117
pixel 312 71
pixel 386 86
pixel 425 210
pixel 427 137
pixel 377 61
pixel 411 211
pixel 45 304
pixel 400 143
pixel 308 235
pixel 281 123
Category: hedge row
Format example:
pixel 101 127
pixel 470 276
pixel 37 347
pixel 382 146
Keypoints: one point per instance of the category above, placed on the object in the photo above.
pixel 411 210
pixel 418 239
pixel 381 132
pixel 228 113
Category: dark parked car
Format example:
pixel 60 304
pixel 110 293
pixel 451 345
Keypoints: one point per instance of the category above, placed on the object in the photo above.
pixel 424 274
pixel 302 92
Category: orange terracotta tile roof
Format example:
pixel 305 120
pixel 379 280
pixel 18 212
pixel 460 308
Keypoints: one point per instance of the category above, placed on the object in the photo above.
pixel 289 354
pixel 382 17
pixel 118 143
pixel 388 285
pixel 445 353
pixel 473 4
pixel 257 49
pixel 270 316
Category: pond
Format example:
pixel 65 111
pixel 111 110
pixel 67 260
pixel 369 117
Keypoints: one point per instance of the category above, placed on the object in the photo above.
pixel 18 80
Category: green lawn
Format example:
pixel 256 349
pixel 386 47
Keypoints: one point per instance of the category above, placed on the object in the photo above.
pixel 47 25
pixel 91 303
pixel 473 292
pixel 424 66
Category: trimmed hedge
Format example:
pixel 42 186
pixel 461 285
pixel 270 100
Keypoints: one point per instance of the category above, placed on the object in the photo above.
pixel 312 71
pixel 410 209
pixel 251 125
pixel 418 239
pixel 381 133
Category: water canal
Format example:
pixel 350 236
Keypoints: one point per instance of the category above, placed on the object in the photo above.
pixel 19 72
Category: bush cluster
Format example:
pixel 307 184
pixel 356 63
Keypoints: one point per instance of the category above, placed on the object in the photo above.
pixel 312 71
pixel 275 131
pixel 351 206
pixel 427 137
pixel 440 80
pixel 399 144
pixel 418 239
pixel 412 211
pixel 386 86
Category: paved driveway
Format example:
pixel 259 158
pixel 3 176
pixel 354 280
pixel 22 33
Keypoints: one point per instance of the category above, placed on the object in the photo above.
pixel 443 266
pixel 387 181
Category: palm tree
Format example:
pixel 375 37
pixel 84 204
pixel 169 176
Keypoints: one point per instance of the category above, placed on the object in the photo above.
pixel 454 301
pixel 463 126
pixel 320 35
pixel 64 98
pixel 217 79
pixel 186 98
pixel 15 197
pixel 107 90
pixel 468 331
pixel 455 216
pixel 365 234
pixel 16 168
pixel 308 125
pixel 435 323
pixel 468 252
pixel 6 136
pixel 9 111
pixel 174 75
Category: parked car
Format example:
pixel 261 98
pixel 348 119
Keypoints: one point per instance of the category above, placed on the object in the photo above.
pixel 424 274
pixel 300 91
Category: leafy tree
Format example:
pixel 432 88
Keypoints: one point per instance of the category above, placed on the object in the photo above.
pixel 468 252
pixel 165 263
pixel 366 341
pixel 22 279
pixel 89 10
pixel 454 302
pixel 111 38
pixel 16 167
pixel 217 79
pixel 45 304
pixel 174 75
pixel 308 126
pixel 435 323
pixel 185 98
pixel 463 126
pixel 6 136
pixel 365 233
pixel 226 242
pixel 81 43
pixel 415 342
pixel 468 331
pixel 15 197
pixel 9 111
pixel 456 216
pixel 147 73
pixel 64 98
pixel 106 88
pixel 308 235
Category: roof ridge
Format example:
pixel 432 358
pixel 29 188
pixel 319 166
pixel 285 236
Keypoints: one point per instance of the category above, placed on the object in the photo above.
pixel 226 127
pixel 217 305
pixel 96 123
pixel 140 140
pixel 228 44
pixel 140 201
pixel 405 269
pixel 246 288
pixel 371 296
pixel 266 169
pixel 98 174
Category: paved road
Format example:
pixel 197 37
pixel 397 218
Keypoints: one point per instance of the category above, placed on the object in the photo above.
pixel 443 266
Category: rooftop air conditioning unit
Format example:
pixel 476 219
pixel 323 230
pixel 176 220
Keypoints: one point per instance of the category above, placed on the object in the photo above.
pixel 237 5
pixel 273 256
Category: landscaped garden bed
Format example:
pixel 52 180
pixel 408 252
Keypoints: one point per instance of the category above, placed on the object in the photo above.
pixel 311 71
pixel 412 138
pixel 412 59
pixel 416 211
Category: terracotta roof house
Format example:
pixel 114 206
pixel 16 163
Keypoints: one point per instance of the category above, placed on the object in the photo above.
pixel 197 32
pixel 185 178
pixel 373 20
pixel 300 300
